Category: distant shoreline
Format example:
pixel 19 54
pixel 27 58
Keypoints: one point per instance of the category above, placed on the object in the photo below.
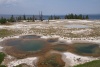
pixel 45 17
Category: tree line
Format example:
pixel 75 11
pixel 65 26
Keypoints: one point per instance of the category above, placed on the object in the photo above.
pixel 69 16
pixel 54 17
pixel 17 19
pixel 74 16
pixel 33 18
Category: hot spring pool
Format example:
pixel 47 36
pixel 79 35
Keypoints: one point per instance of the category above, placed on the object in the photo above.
pixel 27 43
pixel 30 45
pixel 87 48
pixel 30 37
pixel 76 26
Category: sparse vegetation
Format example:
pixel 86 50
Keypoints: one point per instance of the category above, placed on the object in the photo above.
pixel 3 20
pixel 5 32
pixel 60 49
pixel 53 60
pixel 2 55
pixel 3 66
pixel 95 63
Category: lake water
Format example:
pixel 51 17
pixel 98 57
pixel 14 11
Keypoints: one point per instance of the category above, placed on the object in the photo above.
pixel 93 17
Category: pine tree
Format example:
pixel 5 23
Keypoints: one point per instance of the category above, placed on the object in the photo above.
pixel 71 16
pixel 33 18
pixel 51 17
pixel 28 19
pixel 87 17
pixel 74 16
pixel 83 17
pixel 19 18
pixel 54 17
pixel 3 20
pixel 24 17
pixel 12 19
pixel 80 16
pixel 41 16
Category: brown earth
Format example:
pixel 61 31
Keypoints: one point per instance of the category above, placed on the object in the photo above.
pixel 51 60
